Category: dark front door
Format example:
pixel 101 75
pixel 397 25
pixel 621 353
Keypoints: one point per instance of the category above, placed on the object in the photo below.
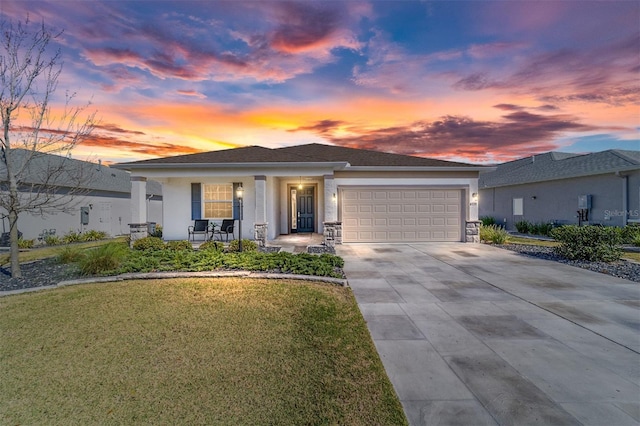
pixel 305 210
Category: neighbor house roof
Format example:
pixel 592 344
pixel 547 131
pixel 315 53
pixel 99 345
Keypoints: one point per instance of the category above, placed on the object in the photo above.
pixel 311 153
pixel 94 177
pixel 560 165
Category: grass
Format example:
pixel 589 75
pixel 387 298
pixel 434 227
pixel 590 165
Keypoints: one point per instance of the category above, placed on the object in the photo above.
pixel 52 251
pixel 631 256
pixel 191 351
pixel 532 241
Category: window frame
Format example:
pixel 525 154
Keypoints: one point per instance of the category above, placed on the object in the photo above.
pixel 228 202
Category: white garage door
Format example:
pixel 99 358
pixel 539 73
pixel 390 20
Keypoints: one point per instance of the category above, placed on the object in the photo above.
pixel 401 214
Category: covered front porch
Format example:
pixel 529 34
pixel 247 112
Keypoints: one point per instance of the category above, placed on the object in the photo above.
pixel 268 206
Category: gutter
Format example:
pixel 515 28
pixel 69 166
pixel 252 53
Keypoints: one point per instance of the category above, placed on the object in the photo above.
pixel 421 169
pixel 337 165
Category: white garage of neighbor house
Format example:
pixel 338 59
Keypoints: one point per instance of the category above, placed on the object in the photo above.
pixel 371 196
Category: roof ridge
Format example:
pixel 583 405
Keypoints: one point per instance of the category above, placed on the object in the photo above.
pixel 621 153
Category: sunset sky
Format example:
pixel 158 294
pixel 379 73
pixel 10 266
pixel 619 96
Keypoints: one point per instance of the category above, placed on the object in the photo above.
pixel 477 81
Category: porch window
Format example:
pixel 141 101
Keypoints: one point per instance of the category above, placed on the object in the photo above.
pixel 218 201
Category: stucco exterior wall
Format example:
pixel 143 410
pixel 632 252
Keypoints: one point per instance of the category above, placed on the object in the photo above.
pixel 176 194
pixel 558 200
pixel 110 214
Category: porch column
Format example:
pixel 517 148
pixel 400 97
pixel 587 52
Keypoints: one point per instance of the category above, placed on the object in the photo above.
pixel 330 199
pixel 473 200
pixel 138 225
pixel 260 225
pixel 472 225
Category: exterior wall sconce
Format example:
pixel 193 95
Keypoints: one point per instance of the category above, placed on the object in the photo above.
pixel 335 197
pixel 474 197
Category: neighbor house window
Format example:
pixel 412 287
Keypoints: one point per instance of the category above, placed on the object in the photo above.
pixel 518 207
pixel 218 201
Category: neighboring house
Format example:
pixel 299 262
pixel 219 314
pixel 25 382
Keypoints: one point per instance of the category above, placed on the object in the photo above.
pixel 373 196
pixel 597 188
pixel 102 204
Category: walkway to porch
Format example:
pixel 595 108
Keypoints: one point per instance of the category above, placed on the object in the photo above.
pixel 296 243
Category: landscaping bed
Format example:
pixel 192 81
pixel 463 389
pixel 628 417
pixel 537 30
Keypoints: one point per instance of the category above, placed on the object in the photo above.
pixel 621 268
pixel 156 256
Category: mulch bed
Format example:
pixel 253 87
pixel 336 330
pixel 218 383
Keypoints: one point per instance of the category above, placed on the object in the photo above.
pixel 622 268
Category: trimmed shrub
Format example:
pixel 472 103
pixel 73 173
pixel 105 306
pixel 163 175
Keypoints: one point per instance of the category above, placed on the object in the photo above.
pixel 103 260
pixel 247 245
pixel 493 234
pixel 178 245
pixel 541 228
pixel 25 244
pixel 148 243
pixel 631 234
pixel 591 243
pixel 212 246
pixel 487 220
pixel 523 226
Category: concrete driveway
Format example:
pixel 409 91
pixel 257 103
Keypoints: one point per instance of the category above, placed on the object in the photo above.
pixel 475 335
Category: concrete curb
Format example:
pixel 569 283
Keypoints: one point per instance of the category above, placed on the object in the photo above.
pixel 166 275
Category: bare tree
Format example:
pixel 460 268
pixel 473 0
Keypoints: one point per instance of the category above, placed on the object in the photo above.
pixel 36 175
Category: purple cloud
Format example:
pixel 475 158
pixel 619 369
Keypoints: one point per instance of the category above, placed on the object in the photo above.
pixel 519 133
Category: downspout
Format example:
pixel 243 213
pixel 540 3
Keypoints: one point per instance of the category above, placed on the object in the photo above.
pixel 625 196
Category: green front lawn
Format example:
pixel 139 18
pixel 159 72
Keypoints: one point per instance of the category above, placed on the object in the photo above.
pixel 191 351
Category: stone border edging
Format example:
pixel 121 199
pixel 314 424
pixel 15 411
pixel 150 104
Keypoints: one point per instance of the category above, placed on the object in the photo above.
pixel 166 275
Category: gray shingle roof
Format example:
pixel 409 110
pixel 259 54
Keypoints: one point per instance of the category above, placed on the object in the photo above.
pixel 311 153
pixel 560 165
pixel 95 177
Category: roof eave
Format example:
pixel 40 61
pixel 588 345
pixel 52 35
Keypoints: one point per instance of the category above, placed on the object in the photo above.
pixel 617 170
pixel 422 168
pixel 337 165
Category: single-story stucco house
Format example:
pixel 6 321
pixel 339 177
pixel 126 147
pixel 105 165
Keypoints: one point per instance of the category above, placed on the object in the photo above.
pixel 101 202
pixel 565 188
pixel 359 195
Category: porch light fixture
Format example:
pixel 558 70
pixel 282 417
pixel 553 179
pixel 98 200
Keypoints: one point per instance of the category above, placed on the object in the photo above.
pixel 240 194
pixel 300 183
pixel 474 197
pixel 335 197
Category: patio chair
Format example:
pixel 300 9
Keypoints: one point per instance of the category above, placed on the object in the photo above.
pixel 225 229
pixel 199 227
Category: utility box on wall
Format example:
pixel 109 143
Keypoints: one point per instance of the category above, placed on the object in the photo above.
pixel 584 201
pixel 84 215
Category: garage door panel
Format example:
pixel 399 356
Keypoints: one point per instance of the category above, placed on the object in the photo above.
pixel 395 221
pixel 401 215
